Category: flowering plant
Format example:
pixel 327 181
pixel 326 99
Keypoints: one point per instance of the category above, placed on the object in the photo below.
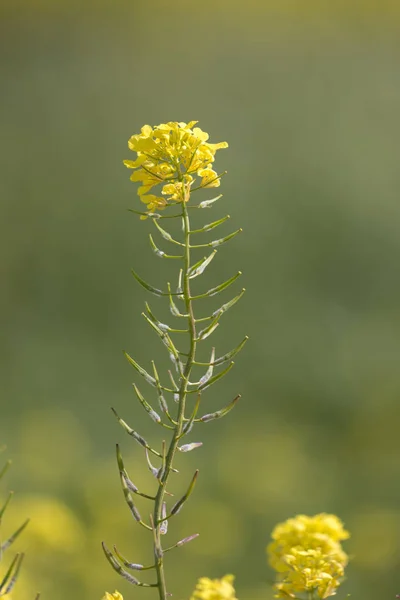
pixel 175 160
pixel 178 158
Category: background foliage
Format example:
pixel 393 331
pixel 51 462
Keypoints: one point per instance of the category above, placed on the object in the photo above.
pixel 307 94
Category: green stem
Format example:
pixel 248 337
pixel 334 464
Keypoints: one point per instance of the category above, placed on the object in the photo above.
pixel 157 515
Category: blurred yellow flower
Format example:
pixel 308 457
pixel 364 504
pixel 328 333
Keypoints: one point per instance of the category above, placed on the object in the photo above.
pixel 53 525
pixel 307 554
pixel 115 596
pixel 215 589
pixel 310 570
pixel 171 154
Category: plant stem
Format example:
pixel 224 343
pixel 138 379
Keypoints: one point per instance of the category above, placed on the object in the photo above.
pixel 158 551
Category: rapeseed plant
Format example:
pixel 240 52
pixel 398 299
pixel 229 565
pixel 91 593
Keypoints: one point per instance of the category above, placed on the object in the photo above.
pixel 174 160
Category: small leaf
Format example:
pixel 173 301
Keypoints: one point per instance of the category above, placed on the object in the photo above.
pixel 190 447
pixel 178 505
pixel 140 370
pixel 146 285
pixel 117 567
pixel 153 470
pixel 225 239
pixel 215 378
pixel 229 304
pixel 140 440
pixel 5 545
pixel 219 413
pixel 129 500
pixel 167 236
pixel 126 479
pixel 188 426
pixel 179 290
pixel 11 576
pixel 6 503
pixel 185 540
pixel 161 399
pixel 208 203
pixel 127 564
pixel 159 252
pixel 173 308
pixel 200 267
pixel 164 524
pixel 165 338
pixel 216 243
pixel 145 214
pixel 218 288
pixel 152 413
pixel 208 374
pixel 207 331
pixel 176 389
pixel 231 354
pixel 162 326
pixel 211 226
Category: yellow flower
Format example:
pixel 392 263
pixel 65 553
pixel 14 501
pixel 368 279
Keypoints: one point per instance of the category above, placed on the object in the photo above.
pixel 215 589
pixel 179 191
pixel 310 570
pixel 209 177
pixel 321 531
pixel 115 596
pixel 153 202
pixel 172 154
pixel 307 554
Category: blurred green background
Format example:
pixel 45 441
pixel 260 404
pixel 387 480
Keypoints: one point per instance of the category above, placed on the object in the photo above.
pixel 307 95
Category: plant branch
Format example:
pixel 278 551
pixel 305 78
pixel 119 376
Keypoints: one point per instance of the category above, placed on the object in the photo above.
pixel 180 421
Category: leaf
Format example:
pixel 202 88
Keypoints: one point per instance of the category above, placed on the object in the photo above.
pixel 167 236
pixel 178 505
pixel 140 370
pixel 207 331
pixel 229 304
pixel 218 288
pixel 117 567
pixel 231 354
pixel 13 537
pixel 219 413
pixel 200 267
pixel 211 226
pixel 140 440
pixel 208 203
pixel 216 378
pixel 159 252
pixel 190 447
pixel 152 413
pixel 219 242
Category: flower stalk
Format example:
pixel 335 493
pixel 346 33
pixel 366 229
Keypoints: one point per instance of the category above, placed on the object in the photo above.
pixel 158 551
pixel 173 155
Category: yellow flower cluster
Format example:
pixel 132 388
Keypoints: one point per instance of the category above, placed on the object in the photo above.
pixel 115 596
pixel 307 554
pixel 172 155
pixel 215 589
